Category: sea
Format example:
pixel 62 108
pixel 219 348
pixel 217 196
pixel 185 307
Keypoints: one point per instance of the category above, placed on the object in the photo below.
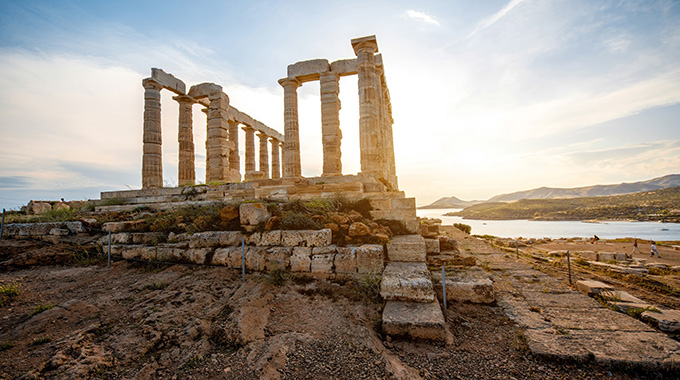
pixel 567 229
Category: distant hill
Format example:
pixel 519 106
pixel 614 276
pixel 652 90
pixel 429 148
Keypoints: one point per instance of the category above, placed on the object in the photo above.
pixel 671 180
pixel 450 202
pixel 661 205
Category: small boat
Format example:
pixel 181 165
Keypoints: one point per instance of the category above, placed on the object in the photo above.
pixel 663 229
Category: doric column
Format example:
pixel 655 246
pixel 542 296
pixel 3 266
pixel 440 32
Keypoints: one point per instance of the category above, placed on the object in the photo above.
pixel 331 134
pixel 234 158
pixel 369 107
pixel 250 149
pixel 276 166
pixel 186 173
pixel 291 151
pixel 264 154
pixel 217 145
pixel 152 157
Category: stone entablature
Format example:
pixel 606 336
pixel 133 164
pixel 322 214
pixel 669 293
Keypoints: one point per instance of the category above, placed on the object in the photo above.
pixel 375 113
pixel 222 158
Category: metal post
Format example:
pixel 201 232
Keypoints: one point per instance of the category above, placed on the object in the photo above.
pixel 569 266
pixel 2 224
pixel 108 262
pixel 243 260
pixel 444 289
pixel 517 249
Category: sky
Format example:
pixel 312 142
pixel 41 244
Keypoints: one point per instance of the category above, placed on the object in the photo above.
pixel 488 97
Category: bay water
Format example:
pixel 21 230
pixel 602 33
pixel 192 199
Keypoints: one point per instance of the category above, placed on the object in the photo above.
pixel 554 229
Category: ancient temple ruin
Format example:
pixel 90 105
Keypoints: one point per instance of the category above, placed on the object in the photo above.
pixel 278 175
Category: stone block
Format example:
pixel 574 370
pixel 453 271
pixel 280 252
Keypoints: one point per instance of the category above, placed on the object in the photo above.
pixel 342 187
pixel 229 257
pixel 605 256
pixel 619 296
pixel 169 254
pixel 625 306
pixel 75 227
pixel 256 258
pixel 147 253
pixel 120 238
pixel 407 248
pixel 59 232
pixel 214 239
pixel 381 203
pixel 114 227
pixel 370 259
pixel 432 246
pixel 148 238
pixel 278 258
pixel 409 282
pixel 344 67
pixel 38 207
pixel 620 256
pixel 473 287
pixel 415 320
pixel 345 261
pixel 128 252
pixel 197 255
pixel 404 203
pixel 300 259
pixel 168 81
pixel 253 239
pixel 309 70
pixel 588 255
pixel 322 263
pixel 665 320
pixel 253 213
pixel 593 287
pixel 306 238
pixel 270 238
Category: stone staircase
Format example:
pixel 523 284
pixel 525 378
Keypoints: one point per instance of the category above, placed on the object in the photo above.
pixel 412 308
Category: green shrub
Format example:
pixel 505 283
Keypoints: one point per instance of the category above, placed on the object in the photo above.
pixel 9 291
pixel 368 287
pixel 277 277
pixel 41 340
pixel 42 307
pixel 463 227
pixel 396 226
pixel 298 221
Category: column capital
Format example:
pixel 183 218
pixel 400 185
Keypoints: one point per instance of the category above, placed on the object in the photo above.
pixel 151 84
pixel 184 99
pixel 285 82
pixel 262 135
pixel 365 44
pixel 247 128
pixel 274 141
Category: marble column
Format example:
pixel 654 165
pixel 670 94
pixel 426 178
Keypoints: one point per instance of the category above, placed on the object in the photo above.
pixel 370 142
pixel 276 165
pixel 264 154
pixel 250 150
pixel 217 144
pixel 234 158
pixel 331 135
pixel 291 152
pixel 152 157
pixel 186 173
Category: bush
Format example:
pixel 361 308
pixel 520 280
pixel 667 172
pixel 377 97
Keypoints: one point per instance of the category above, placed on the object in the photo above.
pixel 396 226
pixel 298 221
pixel 40 308
pixel 463 227
pixel 9 291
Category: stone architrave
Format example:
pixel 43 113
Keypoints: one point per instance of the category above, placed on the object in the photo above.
pixel 264 154
pixel 234 158
pixel 152 158
pixel 217 144
pixel 291 151
pixel 331 135
pixel 186 173
pixel 276 163
pixel 370 141
pixel 250 151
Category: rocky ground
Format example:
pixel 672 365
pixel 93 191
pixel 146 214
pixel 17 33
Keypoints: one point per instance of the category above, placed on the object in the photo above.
pixel 142 321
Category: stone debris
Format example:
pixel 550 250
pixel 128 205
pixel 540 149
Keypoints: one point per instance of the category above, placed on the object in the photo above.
pixel 665 320
pixel 472 286
pixel 414 319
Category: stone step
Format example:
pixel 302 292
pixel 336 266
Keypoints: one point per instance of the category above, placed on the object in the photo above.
pixel 407 248
pixel 414 319
pixel 408 282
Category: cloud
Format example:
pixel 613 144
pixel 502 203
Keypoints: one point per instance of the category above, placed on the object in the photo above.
pixel 487 22
pixel 422 16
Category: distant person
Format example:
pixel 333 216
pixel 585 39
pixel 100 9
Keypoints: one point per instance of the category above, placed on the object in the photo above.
pixel 654 250
pixel 594 239
pixel 635 247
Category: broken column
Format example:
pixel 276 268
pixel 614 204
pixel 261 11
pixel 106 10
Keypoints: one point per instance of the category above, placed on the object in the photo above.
pixel 276 166
pixel 234 158
pixel 264 154
pixel 331 134
pixel 370 141
pixel 217 145
pixel 152 158
pixel 186 174
pixel 291 151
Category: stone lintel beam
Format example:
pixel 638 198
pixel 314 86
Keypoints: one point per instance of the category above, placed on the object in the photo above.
pixel 168 81
pixel 203 90
pixel 345 67
pixel 306 71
